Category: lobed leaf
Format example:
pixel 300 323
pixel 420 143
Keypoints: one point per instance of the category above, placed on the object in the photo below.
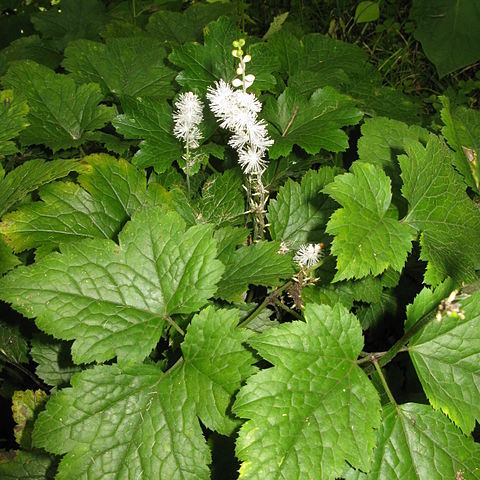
pixel 441 210
pixel 368 237
pixel 311 124
pixel 124 422
pixel 53 120
pixel 216 363
pixel 446 354
pixel 415 442
pixel 314 409
pixel 122 66
pixel 110 191
pixel 114 299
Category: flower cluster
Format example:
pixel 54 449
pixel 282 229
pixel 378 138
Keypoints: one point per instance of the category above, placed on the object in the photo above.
pixel 308 255
pixel 187 116
pixel 238 112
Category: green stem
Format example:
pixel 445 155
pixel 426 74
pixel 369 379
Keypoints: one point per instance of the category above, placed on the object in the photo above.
pixel 289 310
pixel 384 382
pixel 22 369
pixel 175 325
pixel 134 12
pixel 187 168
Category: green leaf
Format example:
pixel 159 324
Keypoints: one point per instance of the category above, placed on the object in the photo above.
pixel 130 421
pixel 440 208
pixel 446 354
pixel 222 201
pixel 258 264
pixel 123 66
pixel 216 365
pixel 275 25
pixel 114 300
pixel 448 32
pixel 12 121
pixel 311 124
pixel 186 26
pixel 53 121
pixel 462 131
pixel 71 20
pixel 13 345
pixel 228 239
pixel 368 237
pixel 383 139
pixel 7 259
pixel 110 191
pixel 149 119
pixel 315 409
pixel 288 49
pixel 55 366
pixel 202 65
pixel 300 212
pixel 32 48
pixel 28 177
pixel 367 12
pixel 384 309
pixel 416 442
pixel 22 465
pixel 26 405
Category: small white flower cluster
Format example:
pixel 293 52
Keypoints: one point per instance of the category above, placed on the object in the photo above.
pixel 187 116
pixel 238 112
pixel 308 255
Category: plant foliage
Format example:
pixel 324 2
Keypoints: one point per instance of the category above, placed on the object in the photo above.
pixel 310 312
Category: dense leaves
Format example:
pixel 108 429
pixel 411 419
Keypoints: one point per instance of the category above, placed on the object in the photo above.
pixel 165 315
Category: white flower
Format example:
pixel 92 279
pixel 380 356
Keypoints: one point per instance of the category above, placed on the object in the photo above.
pixel 188 114
pixel 308 255
pixel 238 111
pixel 251 160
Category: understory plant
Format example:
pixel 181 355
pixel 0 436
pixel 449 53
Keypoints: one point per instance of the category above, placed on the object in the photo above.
pixel 231 257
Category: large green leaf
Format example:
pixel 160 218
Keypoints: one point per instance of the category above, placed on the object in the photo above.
pixel 446 355
pixel 368 237
pixel 416 442
pixel 71 20
pixel 110 191
pixel 315 409
pixel 28 177
pixel 13 120
pixel 300 212
pixel 123 66
pixel 258 264
pixel 440 209
pixel 462 131
pixel 125 422
pixel 448 32
pixel 202 65
pixel 311 124
pixel 115 300
pixel 149 119
pixel 55 121
pixel 216 364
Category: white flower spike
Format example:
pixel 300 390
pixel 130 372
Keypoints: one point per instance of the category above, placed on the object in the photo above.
pixel 187 116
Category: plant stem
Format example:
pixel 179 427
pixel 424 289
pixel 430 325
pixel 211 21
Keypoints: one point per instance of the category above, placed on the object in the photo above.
pixel 289 310
pixel 382 379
